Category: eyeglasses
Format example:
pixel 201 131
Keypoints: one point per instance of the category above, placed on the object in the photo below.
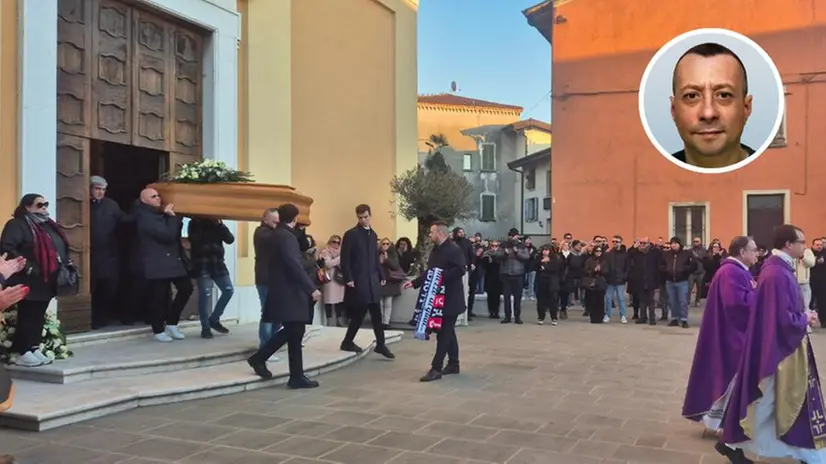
pixel 385 244
pixel 44 204
pixel 616 241
pixel 336 242
pixel 155 196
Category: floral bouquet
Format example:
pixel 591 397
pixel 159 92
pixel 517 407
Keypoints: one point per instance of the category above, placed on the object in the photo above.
pixel 208 172
pixel 53 344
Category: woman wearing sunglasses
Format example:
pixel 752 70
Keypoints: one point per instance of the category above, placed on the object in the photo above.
pixel 33 235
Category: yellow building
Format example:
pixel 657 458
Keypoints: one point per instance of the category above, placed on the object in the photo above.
pixel 317 94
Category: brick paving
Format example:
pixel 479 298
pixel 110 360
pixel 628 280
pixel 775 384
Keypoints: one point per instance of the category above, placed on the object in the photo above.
pixel 573 394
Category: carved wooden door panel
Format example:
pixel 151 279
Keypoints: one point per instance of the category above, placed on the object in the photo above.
pixel 111 72
pixel 74 45
pixel 153 71
pixel 188 89
pixel 73 216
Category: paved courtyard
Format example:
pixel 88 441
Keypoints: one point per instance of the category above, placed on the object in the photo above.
pixel 573 394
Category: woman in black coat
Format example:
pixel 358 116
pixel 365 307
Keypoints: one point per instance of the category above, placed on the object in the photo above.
pixel 32 234
pixel 549 272
pixel 595 285
pixel 493 284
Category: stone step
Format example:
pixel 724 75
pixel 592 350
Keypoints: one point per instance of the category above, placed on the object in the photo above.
pixel 42 406
pixel 131 356
pixel 123 332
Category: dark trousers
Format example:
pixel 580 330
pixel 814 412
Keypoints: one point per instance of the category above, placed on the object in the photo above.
pixel 819 299
pixel 31 317
pixel 161 312
pixel 595 305
pixel 473 281
pixel 330 309
pixel 446 344
pixel 494 298
pixel 547 302
pixel 647 304
pixel 291 335
pixel 357 314
pixel 512 288
pixel 135 308
pixel 635 302
pixel 104 291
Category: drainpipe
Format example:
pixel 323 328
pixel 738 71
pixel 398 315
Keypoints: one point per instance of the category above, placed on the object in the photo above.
pixel 521 200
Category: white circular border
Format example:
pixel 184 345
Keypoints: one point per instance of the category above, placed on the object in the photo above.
pixel 734 35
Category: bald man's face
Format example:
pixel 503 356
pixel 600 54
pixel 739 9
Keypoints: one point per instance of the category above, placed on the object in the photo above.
pixel 151 197
pixel 709 106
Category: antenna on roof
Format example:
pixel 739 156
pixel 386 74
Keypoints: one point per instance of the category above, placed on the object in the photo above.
pixel 454 87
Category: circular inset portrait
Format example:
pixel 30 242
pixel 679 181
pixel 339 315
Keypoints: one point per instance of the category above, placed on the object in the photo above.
pixel 711 100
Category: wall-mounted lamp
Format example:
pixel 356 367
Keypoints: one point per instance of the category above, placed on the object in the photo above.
pixel 561 19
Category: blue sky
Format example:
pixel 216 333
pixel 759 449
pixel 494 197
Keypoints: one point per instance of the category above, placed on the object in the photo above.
pixel 489 49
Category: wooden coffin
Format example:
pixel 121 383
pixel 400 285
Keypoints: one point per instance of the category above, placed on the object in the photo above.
pixel 232 201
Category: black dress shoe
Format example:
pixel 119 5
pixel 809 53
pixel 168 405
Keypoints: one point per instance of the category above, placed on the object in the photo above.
pixel 674 323
pixel 218 327
pixel 260 368
pixel 641 321
pixel 431 375
pixel 518 321
pixel 206 334
pixel 506 320
pixel 451 369
pixel 301 382
pixel 351 347
pixel 684 324
pixel 384 351
pixel 735 456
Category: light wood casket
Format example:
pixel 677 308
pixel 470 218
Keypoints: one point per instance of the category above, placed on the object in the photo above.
pixel 231 201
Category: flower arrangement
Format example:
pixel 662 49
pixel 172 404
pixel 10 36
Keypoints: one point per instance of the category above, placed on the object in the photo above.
pixel 208 172
pixel 53 344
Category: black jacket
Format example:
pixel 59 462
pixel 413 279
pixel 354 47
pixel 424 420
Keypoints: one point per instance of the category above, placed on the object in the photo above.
pixel 17 240
pixel 262 242
pixel 450 258
pixel 677 266
pixel 549 276
pixel 616 266
pixel 360 265
pixel 104 250
pixel 207 238
pixel 467 250
pixel 290 289
pixel 159 244
pixel 644 271
pixel 594 278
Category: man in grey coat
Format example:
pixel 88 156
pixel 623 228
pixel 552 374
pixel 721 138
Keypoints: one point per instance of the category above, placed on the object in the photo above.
pixel 512 258
pixel 288 296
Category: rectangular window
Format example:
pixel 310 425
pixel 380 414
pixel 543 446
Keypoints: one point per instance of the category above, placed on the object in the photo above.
pixel 531 210
pixel 780 138
pixel 488 157
pixel 548 182
pixel 488 209
pixel 764 212
pixel 689 222
pixel 467 162
pixel 530 178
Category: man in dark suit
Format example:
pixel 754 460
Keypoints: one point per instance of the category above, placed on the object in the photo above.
pixel 363 279
pixel 449 257
pixel 288 296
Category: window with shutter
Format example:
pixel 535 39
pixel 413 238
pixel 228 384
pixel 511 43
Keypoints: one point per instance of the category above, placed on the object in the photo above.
pixel 488 208
pixel 488 157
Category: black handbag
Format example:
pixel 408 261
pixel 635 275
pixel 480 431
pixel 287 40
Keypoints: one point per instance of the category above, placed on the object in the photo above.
pixel 338 276
pixel 68 282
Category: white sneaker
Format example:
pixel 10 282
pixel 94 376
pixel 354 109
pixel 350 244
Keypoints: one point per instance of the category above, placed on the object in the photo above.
pixel 606 319
pixel 28 359
pixel 163 337
pixel 42 357
pixel 173 332
pixel 273 359
pixel 624 320
pixel 540 322
pixel 554 322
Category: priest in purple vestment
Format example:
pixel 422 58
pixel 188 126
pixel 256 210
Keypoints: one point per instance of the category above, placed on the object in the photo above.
pixel 776 404
pixel 720 342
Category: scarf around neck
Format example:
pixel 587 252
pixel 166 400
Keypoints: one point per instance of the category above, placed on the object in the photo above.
pixel 45 252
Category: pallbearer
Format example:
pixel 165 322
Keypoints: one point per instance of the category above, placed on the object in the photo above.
pixel 720 344
pixel 776 405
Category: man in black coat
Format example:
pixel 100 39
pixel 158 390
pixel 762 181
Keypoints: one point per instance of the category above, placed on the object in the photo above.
pixel 161 263
pixel 106 217
pixel 449 257
pixel 460 238
pixel 363 279
pixel 645 272
pixel 288 295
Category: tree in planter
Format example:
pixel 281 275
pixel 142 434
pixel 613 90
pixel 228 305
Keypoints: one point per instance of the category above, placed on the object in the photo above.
pixel 431 192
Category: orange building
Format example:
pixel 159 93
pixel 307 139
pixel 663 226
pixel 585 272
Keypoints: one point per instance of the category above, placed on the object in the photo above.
pixel 607 178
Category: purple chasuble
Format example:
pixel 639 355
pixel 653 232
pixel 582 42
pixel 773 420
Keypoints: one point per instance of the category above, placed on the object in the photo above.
pixel 776 329
pixel 722 334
